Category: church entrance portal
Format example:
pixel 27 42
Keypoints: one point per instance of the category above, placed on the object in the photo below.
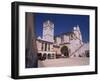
pixel 64 51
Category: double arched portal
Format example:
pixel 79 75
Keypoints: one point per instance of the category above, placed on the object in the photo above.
pixel 64 51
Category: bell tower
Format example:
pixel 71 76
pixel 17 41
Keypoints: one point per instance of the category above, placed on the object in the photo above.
pixel 48 31
pixel 77 32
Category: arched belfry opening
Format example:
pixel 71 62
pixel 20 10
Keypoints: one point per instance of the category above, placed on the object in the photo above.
pixel 64 51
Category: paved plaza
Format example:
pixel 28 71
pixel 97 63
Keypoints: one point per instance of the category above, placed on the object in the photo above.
pixel 76 61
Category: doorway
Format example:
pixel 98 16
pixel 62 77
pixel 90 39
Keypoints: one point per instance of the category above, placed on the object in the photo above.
pixel 64 51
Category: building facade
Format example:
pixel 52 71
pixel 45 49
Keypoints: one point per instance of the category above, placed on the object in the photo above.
pixel 67 44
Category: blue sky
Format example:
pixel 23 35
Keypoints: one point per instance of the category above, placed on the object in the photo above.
pixel 63 23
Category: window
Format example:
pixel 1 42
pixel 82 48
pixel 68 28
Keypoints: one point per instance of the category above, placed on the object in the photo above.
pixel 42 46
pixel 45 46
pixel 48 47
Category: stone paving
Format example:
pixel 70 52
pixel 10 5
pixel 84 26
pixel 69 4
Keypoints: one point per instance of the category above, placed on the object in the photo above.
pixel 76 61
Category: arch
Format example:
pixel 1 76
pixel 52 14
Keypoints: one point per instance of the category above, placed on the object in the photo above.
pixel 64 51
pixel 44 56
pixel 49 56
pixel 40 56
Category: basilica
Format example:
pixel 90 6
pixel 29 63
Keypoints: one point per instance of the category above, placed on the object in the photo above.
pixel 64 45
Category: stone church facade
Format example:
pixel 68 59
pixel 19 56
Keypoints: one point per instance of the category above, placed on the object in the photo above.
pixel 69 44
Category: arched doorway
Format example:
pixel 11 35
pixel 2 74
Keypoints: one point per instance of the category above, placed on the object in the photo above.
pixel 64 51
